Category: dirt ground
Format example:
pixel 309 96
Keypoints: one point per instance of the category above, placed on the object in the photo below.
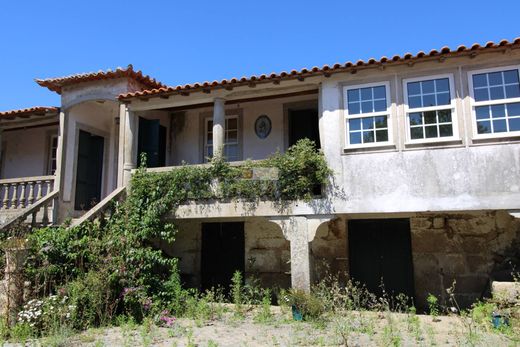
pixel 354 328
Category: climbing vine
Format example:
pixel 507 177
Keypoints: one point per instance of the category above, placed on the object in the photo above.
pixel 120 256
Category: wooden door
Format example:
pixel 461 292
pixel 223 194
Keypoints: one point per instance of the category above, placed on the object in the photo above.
pixel 222 253
pixel 89 170
pixel 152 141
pixel 380 252
pixel 304 124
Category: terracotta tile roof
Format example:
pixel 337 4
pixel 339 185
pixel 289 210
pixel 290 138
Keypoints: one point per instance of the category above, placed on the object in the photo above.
pixel 27 112
pixel 56 84
pixel 326 70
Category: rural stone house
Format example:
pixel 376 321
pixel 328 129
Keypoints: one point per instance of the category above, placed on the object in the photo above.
pixel 424 148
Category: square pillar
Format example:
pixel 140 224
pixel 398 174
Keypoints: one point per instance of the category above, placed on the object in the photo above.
pixel 300 231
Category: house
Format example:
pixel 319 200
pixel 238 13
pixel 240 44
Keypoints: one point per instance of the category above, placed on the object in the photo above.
pixel 424 148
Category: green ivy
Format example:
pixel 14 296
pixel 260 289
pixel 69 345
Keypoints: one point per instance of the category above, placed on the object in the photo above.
pixel 124 249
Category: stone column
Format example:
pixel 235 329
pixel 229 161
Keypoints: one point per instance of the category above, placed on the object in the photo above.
pixel 14 281
pixel 129 141
pixel 219 126
pixel 300 231
pixel 60 153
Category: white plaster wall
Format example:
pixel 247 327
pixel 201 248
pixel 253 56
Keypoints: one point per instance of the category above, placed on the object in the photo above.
pixel 26 151
pixel 461 175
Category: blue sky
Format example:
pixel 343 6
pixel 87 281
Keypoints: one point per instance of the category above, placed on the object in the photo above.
pixel 188 41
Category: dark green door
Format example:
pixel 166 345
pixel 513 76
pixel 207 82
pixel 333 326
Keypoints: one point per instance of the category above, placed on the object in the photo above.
pixel 222 253
pixel 304 124
pixel 89 171
pixel 380 252
pixel 152 141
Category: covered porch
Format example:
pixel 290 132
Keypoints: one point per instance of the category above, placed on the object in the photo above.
pixel 30 142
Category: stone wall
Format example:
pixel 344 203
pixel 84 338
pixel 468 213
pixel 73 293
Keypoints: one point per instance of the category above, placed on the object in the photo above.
pixel 267 253
pixel 329 250
pixel 463 247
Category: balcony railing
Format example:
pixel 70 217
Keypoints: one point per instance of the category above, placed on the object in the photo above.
pixel 19 193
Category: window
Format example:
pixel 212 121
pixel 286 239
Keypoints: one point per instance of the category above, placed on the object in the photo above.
pixel 53 147
pixel 430 109
pixel 231 142
pixel 496 101
pixel 367 115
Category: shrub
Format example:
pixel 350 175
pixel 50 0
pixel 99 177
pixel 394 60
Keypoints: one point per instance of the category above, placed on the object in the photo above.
pixel 310 306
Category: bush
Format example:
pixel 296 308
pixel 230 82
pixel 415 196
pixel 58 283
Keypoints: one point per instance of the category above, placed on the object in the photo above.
pixel 310 306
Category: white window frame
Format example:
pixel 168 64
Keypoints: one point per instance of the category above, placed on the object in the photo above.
pixel 452 106
pixel 50 153
pixel 387 113
pixel 206 130
pixel 475 104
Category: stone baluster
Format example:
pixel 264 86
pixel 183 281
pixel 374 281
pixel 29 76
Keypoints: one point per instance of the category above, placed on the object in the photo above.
pixel 5 201
pixel 14 198
pixel 22 195
pixel 48 186
pixel 30 199
pixel 39 186
pixel 45 218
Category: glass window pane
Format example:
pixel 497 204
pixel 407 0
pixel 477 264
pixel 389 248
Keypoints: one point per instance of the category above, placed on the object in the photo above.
pixel 496 93
pixel 443 99
pixel 414 101
pixel 379 105
pixel 479 80
pixel 231 152
pixel 442 85
pixel 513 109
pixel 367 106
pixel 210 125
pixel 354 108
pixel 416 133
pixel 511 76
pixel 366 94
pixel 414 88
pixel 430 117
pixel 482 112
pixel 481 94
pixel 445 130
pixel 415 118
pixel 444 116
pixel 513 91
pixel 354 124
pixel 495 78
pixel 514 124
pixel 381 122
pixel 381 135
pixel 429 100
pixel 484 127
pixel 353 95
pixel 498 111
pixel 499 126
pixel 368 136
pixel 231 123
pixel 428 87
pixel 380 92
pixel 368 123
pixel 355 138
pixel 431 131
pixel 232 136
pixel 210 151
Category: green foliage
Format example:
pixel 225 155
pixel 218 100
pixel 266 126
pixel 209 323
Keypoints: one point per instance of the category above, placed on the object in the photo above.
pixel 114 266
pixel 433 305
pixel 310 305
pixel 265 315
pixel 22 332
pixel 237 292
